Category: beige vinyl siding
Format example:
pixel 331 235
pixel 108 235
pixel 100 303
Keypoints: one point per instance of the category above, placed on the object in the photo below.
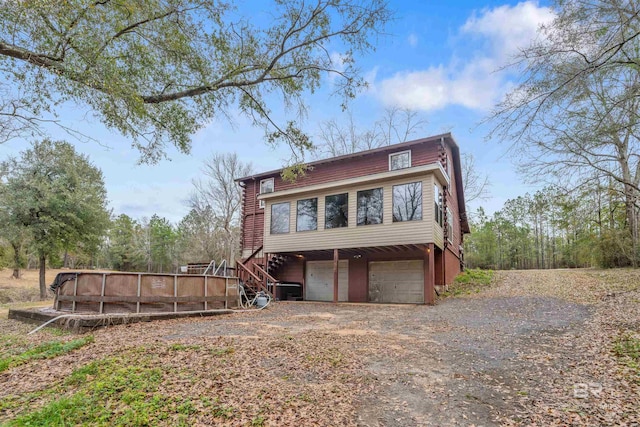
pixel 387 233
pixel 438 233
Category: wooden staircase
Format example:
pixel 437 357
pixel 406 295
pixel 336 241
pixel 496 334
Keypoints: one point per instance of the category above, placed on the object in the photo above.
pixel 275 262
pixel 255 277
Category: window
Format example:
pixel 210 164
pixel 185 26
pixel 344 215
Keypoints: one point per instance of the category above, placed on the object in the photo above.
pixel 449 167
pixel 280 218
pixel 266 186
pixel 336 210
pixel 437 199
pixel 407 202
pixel 307 215
pixel 400 160
pixel 449 225
pixel 370 207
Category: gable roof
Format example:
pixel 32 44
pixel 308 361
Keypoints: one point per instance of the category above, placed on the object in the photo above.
pixel 445 137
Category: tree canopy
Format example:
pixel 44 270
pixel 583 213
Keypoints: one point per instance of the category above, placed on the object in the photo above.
pixel 56 197
pixel 158 70
pixel 574 116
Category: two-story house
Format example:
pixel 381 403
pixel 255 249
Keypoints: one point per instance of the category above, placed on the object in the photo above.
pixel 383 225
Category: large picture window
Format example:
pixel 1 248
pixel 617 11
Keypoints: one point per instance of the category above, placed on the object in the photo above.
pixel 307 215
pixel 437 200
pixel 336 210
pixel 280 218
pixel 370 206
pixel 407 202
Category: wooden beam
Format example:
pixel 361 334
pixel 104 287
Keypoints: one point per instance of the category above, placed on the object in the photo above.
pixel 429 275
pixel 335 275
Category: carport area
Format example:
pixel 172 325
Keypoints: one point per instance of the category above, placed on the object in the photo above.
pixel 404 274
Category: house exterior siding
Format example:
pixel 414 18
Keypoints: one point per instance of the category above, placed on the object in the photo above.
pixel 435 161
pixel 387 233
pixel 253 232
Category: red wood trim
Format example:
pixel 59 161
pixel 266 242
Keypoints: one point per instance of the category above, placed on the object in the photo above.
pixel 335 275
pixel 254 253
pixel 429 275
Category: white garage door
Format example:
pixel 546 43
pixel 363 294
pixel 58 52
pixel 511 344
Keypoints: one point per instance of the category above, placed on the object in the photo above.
pixel 396 281
pixel 319 280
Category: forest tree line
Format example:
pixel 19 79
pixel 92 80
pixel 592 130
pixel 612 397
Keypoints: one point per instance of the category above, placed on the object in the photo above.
pixel 553 228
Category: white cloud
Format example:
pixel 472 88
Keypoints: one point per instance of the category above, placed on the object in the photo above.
pixel 508 28
pixel 472 81
pixel 413 40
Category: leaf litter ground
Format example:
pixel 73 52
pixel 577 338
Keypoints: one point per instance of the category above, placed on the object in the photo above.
pixel 532 348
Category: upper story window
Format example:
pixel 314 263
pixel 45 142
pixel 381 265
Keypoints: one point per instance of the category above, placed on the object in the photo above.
pixel 280 218
pixel 307 215
pixel 437 200
pixel 336 210
pixel 449 225
pixel 370 207
pixel 449 167
pixel 400 160
pixel 266 186
pixel 407 202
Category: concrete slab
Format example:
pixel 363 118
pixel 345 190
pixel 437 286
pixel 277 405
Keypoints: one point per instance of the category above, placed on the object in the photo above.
pixel 86 321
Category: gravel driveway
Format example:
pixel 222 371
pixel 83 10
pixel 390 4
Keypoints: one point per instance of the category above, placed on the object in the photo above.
pixel 463 361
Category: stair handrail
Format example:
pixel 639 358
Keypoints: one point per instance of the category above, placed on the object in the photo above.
pixel 223 265
pixel 261 287
pixel 253 254
pixel 212 265
pixel 267 275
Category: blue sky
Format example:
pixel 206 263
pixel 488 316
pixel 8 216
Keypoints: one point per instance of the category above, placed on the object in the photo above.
pixel 441 59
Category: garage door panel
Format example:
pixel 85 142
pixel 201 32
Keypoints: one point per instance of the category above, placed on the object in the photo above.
pixel 396 281
pixel 319 280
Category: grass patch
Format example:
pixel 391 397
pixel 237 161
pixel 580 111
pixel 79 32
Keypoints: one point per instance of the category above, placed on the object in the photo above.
pixel 475 276
pixel 222 351
pixel 47 350
pixel 184 347
pixel 108 392
pixel 470 281
pixel 627 349
pixel 125 390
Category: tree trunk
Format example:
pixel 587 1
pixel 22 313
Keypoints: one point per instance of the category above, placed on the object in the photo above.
pixel 17 261
pixel 632 221
pixel 43 284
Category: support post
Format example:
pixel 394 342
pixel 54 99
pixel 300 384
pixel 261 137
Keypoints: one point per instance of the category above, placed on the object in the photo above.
pixel 335 275
pixel 175 293
pixel 206 305
pixel 75 294
pixel 104 282
pixel 429 275
pixel 139 293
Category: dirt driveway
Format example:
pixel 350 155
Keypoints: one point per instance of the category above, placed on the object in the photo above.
pixel 461 362
pixel 523 352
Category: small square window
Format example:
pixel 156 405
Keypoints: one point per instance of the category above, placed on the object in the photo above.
pixel 266 186
pixel 400 160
